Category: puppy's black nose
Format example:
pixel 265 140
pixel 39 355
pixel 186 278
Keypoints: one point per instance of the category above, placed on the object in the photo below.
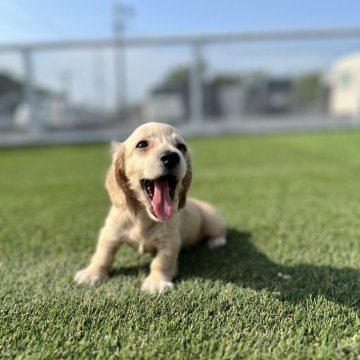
pixel 170 159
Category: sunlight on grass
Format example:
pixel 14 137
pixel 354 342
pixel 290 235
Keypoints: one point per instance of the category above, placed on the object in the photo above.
pixel 287 284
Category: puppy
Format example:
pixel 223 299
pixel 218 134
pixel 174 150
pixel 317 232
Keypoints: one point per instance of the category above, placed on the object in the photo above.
pixel 147 183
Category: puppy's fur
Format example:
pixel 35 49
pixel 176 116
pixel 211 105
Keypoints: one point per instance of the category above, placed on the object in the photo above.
pixel 149 207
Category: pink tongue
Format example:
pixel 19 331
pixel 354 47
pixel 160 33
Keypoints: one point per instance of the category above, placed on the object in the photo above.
pixel 161 201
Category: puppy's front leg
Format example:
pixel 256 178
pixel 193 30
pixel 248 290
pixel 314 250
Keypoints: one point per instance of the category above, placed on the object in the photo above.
pixel 163 268
pixel 102 259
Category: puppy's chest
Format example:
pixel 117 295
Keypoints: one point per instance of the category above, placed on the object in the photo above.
pixel 145 238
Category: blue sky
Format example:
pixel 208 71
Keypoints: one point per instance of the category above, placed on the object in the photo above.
pixel 52 20
pixel 35 20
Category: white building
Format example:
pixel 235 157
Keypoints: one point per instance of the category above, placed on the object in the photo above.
pixel 344 81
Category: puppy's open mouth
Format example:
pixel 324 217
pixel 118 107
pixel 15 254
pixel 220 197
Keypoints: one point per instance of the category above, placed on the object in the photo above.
pixel 161 193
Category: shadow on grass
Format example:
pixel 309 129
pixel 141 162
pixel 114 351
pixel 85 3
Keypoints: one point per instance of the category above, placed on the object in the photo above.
pixel 241 263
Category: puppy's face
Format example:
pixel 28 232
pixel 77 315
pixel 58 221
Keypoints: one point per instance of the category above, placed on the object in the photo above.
pixel 155 164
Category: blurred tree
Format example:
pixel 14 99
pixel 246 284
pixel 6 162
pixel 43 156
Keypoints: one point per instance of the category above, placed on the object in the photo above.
pixel 307 87
pixel 255 76
pixel 11 85
pixel 180 75
pixel 227 79
pixel 8 84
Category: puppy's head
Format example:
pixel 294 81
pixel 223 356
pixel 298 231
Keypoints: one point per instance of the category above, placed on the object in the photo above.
pixel 151 170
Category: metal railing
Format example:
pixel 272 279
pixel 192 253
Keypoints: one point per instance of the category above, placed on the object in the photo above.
pixel 196 119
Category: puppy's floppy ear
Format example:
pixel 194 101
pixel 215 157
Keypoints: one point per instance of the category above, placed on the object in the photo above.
pixel 116 181
pixel 185 185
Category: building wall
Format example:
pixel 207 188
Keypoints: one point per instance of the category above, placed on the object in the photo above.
pixel 345 89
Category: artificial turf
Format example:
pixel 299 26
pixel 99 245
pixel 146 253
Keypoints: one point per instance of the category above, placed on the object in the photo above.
pixel 287 285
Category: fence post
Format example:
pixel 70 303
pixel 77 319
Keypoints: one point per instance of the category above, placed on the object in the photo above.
pixel 120 71
pixel 28 90
pixel 196 86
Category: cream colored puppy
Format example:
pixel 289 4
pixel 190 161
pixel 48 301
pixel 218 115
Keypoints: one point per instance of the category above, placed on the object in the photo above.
pixel 147 184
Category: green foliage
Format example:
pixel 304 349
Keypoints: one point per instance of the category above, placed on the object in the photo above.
pixel 287 285
pixel 11 86
pixel 255 76
pixel 227 79
pixel 178 76
pixel 307 87
pixel 8 84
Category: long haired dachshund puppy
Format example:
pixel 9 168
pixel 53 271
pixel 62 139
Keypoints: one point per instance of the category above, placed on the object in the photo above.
pixel 147 183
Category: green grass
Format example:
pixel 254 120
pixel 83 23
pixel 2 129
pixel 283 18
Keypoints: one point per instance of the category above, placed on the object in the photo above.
pixel 286 286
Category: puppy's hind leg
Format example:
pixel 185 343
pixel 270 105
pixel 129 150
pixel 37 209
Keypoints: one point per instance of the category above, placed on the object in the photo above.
pixel 216 242
pixel 213 226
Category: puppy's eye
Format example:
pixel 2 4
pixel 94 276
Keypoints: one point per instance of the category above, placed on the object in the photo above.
pixel 142 144
pixel 181 147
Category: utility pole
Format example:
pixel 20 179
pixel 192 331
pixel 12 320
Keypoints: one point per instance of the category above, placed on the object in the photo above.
pixel 120 13
pixel 196 87
pixel 29 91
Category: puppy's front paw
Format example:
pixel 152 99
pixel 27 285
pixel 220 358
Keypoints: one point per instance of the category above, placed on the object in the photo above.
pixel 88 277
pixel 153 286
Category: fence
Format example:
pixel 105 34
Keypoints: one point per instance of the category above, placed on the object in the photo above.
pixel 85 91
